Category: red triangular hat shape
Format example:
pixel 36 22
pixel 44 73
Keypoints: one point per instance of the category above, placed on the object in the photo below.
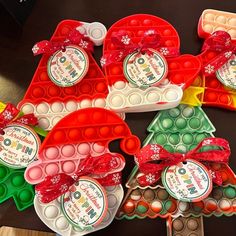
pixel 50 102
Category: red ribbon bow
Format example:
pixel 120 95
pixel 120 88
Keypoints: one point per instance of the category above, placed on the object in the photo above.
pixel 102 168
pixel 154 152
pixel 124 46
pixel 9 115
pixel 221 43
pixel 73 38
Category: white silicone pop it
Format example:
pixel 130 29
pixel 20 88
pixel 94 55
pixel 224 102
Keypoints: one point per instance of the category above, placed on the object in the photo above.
pixel 96 31
pixel 66 158
pixel 52 215
pixel 126 97
pixel 213 20
pixel 49 114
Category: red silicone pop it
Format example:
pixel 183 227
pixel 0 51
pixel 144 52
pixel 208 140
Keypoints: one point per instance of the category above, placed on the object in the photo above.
pixel 184 67
pixel 50 102
pixel 209 90
pixel 182 70
pixel 214 93
pixel 81 133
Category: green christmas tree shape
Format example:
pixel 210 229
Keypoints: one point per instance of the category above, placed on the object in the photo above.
pixel 13 184
pixel 179 130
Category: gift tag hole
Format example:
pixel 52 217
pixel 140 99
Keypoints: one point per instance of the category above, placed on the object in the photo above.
pixel 2 132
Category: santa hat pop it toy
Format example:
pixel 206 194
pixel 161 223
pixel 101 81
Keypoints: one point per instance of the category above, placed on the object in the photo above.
pixel 49 101
pixel 143 67
pixel 80 135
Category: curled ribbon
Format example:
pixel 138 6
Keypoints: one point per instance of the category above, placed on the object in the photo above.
pixel 73 38
pixel 103 168
pixel 221 43
pixel 10 114
pixel 155 153
pixel 124 46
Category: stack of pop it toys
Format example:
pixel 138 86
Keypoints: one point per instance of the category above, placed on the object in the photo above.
pixel 182 171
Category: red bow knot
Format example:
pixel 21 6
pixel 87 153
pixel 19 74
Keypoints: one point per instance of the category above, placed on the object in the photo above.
pixel 73 38
pixel 221 43
pixel 125 46
pixel 105 169
pixel 153 159
pixel 10 114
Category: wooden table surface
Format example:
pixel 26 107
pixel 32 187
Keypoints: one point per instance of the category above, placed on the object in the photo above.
pixel 9 231
pixel 17 66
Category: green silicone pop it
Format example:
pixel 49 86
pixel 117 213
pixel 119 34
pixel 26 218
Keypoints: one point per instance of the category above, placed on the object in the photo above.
pixel 179 129
pixel 176 142
pixel 182 119
pixel 13 184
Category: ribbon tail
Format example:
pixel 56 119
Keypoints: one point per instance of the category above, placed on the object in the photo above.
pixel 219 155
pixel 110 58
pixel 41 47
pixel 216 177
pixel 217 62
pixel 169 51
pixel 53 187
pixel 149 179
pixel 111 179
pixel 28 119
pixel 218 41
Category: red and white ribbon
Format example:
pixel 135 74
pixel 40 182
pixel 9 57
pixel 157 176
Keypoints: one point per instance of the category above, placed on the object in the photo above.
pixel 74 38
pixel 9 115
pixel 153 159
pixel 54 186
pixel 221 43
pixel 124 45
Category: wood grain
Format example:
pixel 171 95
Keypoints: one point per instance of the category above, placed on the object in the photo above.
pixel 9 231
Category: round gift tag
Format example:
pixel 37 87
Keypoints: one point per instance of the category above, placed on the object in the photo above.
pixel 145 70
pixel 66 68
pixel 227 73
pixel 189 181
pixel 85 204
pixel 19 146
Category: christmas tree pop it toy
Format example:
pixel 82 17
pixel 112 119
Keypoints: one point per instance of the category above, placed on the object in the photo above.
pixel 173 129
